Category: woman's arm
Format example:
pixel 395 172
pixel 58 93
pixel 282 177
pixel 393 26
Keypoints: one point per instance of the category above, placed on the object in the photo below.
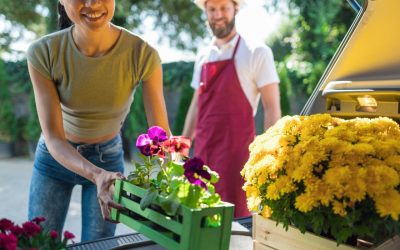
pixel 153 99
pixel 50 118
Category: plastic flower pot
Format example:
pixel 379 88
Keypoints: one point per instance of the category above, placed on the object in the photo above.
pixel 186 230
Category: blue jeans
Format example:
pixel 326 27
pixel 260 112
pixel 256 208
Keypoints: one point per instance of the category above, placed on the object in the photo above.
pixel 51 187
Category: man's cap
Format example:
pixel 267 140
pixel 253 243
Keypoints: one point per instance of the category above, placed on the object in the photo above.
pixel 201 3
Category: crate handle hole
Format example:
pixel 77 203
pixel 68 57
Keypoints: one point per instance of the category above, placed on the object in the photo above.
pixel 211 221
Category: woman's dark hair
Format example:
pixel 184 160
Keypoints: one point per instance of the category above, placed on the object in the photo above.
pixel 63 19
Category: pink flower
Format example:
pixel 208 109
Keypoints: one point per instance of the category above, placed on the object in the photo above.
pixel 31 228
pixel 30 236
pixel 38 220
pixel 17 230
pixel 8 242
pixel 68 235
pixel 150 144
pixel 53 234
pixel 178 144
pixel 5 224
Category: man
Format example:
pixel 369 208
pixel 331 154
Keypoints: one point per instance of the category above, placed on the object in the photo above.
pixel 229 78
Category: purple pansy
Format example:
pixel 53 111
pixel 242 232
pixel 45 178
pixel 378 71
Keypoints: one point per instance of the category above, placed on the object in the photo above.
pixel 194 169
pixel 149 144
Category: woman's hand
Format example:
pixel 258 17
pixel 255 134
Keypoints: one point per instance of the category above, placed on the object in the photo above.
pixel 105 190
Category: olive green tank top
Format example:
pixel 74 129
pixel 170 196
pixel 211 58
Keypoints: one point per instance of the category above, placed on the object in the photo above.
pixel 95 92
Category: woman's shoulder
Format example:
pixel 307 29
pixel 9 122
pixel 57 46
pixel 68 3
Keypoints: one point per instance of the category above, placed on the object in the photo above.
pixel 134 39
pixel 51 40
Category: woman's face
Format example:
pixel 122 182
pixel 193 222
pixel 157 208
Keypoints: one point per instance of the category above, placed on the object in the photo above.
pixel 92 14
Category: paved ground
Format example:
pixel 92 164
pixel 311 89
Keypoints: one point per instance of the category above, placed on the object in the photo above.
pixel 15 176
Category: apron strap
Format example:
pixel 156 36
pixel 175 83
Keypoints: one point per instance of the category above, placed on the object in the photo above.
pixel 236 46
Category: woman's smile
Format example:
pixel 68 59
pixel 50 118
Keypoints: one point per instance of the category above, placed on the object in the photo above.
pixel 94 16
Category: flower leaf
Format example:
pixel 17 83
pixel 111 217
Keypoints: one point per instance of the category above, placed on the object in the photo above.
pixel 170 204
pixel 193 197
pixel 176 169
pixel 148 198
pixel 212 199
pixel 214 176
pixel 213 221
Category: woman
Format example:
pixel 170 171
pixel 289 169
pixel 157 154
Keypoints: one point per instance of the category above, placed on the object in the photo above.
pixel 84 77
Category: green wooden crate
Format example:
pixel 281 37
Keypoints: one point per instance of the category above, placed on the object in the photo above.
pixel 186 230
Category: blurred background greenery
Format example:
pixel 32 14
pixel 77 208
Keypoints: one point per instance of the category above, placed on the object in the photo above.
pixel 303 45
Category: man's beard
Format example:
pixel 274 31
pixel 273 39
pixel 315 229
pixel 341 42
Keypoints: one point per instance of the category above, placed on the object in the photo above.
pixel 223 31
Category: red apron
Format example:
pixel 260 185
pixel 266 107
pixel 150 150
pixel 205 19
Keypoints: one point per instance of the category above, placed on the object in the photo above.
pixel 225 128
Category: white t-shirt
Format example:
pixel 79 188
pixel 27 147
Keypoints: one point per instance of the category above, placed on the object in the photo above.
pixel 254 65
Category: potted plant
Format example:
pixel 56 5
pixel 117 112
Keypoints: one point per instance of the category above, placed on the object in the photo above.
pixel 328 175
pixel 171 199
pixel 30 235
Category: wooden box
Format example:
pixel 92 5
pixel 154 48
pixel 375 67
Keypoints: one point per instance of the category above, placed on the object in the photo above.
pixel 267 235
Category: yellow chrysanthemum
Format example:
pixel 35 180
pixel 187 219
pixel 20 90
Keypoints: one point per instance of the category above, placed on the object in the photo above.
pixel 266 212
pixel 272 192
pixel 253 202
pixel 393 161
pixel 285 185
pixel 336 162
pixel 339 208
pixel 356 189
pixel 380 178
pixel 305 202
pixel 388 204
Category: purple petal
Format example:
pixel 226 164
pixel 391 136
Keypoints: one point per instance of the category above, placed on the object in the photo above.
pixel 194 164
pixel 143 140
pixel 198 182
pixel 205 174
pixel 145 150
pixel 157 134
pixel 189 175
pixel 143 143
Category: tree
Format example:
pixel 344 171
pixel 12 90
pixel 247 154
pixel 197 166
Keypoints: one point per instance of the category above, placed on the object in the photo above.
pixel 180 20
pixel 307 42
pixel 7 117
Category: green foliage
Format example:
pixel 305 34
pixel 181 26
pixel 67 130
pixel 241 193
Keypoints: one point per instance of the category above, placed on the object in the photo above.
pixel 362 220
pixel 18 77
pixel 177 76
pixel 180 20
pixel 21 11
pixel 136 121
pixel 32 130
pixel 28 126
pixel 183 27
pixel 7 117
pixel 305 44
pixel 163 173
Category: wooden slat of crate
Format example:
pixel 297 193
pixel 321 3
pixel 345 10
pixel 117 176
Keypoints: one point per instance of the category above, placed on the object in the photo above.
pixel 259 246
pixel 266 236
pixel 390 244
pixel 265 232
